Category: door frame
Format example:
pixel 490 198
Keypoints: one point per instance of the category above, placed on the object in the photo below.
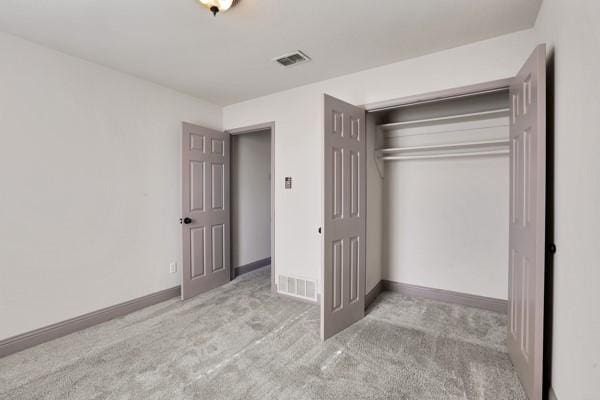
pixel 252 129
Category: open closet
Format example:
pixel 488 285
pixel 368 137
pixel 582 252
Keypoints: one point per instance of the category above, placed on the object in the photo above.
pixel 438 193
pixel 441 194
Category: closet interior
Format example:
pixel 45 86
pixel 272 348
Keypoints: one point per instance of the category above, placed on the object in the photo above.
pixel 438 194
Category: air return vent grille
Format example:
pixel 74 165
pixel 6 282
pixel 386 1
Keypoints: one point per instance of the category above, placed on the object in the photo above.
pixel 297 287
pixel 291 59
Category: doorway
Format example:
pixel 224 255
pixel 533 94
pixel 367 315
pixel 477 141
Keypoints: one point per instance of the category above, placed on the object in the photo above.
pixel 206 205
pixel 252 199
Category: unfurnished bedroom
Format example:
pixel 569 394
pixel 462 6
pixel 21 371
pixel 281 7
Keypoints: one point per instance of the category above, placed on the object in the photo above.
pixel 340 199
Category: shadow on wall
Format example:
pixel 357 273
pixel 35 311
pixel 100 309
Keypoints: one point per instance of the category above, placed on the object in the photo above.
pixel 549 263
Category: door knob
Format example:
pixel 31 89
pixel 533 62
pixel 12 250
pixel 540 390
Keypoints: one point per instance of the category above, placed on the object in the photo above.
pixel 185 220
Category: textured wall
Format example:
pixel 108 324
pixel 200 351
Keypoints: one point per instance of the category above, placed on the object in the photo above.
pixel 91 195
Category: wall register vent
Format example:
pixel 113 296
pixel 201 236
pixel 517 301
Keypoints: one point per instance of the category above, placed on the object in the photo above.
pixel 297 287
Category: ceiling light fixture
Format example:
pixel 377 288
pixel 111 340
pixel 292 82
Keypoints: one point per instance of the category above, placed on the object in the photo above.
pixel 216 6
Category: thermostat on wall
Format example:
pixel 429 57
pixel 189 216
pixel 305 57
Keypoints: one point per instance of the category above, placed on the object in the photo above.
pixel 288 182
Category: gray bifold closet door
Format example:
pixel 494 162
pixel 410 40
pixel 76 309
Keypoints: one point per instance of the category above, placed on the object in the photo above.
pixel 344 216
pixel 527 221
pixel 205 210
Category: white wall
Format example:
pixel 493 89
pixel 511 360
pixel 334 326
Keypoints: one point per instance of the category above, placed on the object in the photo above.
pixel 572 30
pixel 297 115
pixel 375 214
pixel 90 185
pixel 446 224
pixel 250 198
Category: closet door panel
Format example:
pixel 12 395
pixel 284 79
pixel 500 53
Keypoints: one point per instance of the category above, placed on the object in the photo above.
pixel 344 222
pixel 527 222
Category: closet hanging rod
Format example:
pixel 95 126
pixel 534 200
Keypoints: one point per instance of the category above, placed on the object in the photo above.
pixel 448 155
pixel 444 146
pixel 393 125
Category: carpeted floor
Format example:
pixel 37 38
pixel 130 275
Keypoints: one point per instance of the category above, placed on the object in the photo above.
pixel 242 342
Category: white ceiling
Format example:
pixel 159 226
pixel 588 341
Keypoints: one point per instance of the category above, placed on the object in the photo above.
pixel 226 59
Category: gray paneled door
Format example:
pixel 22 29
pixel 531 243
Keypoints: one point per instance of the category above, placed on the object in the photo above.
pixel 527 221
pixel 344 219
pixel 205 198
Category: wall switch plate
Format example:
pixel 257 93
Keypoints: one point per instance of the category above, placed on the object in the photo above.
pixel 173 267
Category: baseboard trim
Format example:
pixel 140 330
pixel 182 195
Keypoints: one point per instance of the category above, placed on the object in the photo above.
pixel 54 331
pixel 373 293
pixel 464 299
pixel 552 394
pixel 244 269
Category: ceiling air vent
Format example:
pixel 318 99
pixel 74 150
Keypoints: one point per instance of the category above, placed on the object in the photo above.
pixel 294 58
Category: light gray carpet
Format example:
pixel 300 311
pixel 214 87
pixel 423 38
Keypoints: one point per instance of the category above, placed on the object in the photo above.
pixel 242 342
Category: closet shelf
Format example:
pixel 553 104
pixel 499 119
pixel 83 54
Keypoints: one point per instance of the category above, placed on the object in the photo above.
pixel 394 125
pixel 444 155
pixel 392 150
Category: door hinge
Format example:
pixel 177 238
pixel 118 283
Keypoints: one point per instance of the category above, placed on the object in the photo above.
pixel 552 248
pixel 319 230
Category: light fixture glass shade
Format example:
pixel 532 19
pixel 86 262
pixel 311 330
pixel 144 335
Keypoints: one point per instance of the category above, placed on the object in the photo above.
pixel 222 5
